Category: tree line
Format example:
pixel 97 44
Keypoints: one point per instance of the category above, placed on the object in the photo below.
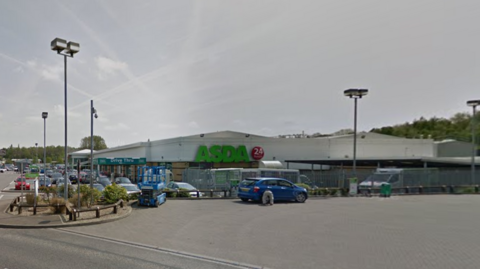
pixel 54 153
pixel 457 127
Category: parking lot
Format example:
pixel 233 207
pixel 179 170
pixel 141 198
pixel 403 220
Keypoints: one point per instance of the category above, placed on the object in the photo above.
pixel 438 231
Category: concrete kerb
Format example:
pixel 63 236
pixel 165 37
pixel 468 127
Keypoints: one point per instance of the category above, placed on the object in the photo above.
pixel 34 219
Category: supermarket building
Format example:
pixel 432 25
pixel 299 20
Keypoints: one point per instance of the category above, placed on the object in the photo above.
pixel 228 149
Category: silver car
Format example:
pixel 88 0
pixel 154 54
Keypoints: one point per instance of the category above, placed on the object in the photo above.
pixel 131 188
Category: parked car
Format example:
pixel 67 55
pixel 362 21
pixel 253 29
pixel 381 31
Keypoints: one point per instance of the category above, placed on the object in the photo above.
pixel 105 181
pixel 15 169
pixel 3 170
pixel 122 180
pixel 73 178
pixel 49 173
pixel 98 186
pixel 21 181
pixel 131 188
pixel 282 189
pixel 84 178
pixel 44 181
pixel 182 185
pixel 61 181
pixel 55 177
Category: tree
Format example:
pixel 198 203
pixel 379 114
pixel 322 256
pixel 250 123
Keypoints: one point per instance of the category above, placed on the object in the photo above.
pixel 457 127
pixel 98 143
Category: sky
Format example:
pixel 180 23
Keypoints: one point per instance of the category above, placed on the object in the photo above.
pixel 163 69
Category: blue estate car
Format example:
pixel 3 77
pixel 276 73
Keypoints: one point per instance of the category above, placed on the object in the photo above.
pixel 282 189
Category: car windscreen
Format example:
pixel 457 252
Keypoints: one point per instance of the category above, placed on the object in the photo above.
pixel 131 188
pixel 123 180
pixel 378 178
pixel 186 186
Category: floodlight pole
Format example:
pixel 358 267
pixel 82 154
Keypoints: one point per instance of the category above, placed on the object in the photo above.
pixel 91 150
pixel 355 94
pixel 44 116
pixel 65 49
pixel 473 104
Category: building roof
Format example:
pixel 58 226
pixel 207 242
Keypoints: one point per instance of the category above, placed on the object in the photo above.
pixel 397 162
pixel 80 153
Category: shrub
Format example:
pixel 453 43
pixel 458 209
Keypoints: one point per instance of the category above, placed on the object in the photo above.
pixel 344 191
pixel 74 200
pixel 183 193
pixel 170 193
pixel 54 201
pixel 133 196
pixel 31 198
pixel 303 185
pixel 113 193
pixel 60 191
pixel 87 193
pixel 333 192
pixel 464 190
pixel 324 191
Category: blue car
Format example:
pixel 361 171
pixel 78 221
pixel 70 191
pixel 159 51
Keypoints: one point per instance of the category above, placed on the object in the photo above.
pixel 282 189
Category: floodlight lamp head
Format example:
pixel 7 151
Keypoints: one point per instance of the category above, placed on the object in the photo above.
pixel 473 103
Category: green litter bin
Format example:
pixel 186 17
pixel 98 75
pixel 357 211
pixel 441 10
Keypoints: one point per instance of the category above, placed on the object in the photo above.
pixel 385 190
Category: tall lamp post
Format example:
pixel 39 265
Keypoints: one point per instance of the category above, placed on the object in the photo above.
pixel 473 104
pixel 36 153
pixel 66 49
pixel 93 112
pixel 44 116
pixel 355 94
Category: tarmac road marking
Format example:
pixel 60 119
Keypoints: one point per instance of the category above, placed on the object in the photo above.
pixel 165 250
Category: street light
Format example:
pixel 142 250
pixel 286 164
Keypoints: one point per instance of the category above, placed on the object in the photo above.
pixel 473 104
pixel 355 94
pixel 36 153
pixel 93 112
pixel 44 116
pixel 67 49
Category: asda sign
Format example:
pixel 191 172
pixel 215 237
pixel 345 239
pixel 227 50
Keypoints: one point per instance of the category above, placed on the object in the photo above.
pixel 222 154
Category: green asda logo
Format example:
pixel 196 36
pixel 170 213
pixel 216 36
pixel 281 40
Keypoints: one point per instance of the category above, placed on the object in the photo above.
pixel 225 154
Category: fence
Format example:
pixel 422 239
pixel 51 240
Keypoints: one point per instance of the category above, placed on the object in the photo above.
pixel 338 178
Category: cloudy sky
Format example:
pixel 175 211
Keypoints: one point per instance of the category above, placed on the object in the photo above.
pixel 161 69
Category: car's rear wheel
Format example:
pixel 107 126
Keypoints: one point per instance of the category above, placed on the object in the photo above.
pixel 301 197
pixel 244 199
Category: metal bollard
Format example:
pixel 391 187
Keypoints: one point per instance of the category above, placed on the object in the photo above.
pixel 11 207
pixel 115 209
pixel 34 210
pixel 224 193
pixel 444 188
pixel 420 189
pixel 74 213
pixel 451 188
pixel 407 190
pixel 198 194
pixel 211 193
pixel 98 212
pixel 121 204
pixel 19 209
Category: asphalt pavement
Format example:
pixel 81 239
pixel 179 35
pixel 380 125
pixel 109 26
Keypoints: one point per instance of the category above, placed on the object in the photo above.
pixel 406 232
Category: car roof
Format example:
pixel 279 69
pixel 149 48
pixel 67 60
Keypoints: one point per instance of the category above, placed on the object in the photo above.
pixel 263 178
